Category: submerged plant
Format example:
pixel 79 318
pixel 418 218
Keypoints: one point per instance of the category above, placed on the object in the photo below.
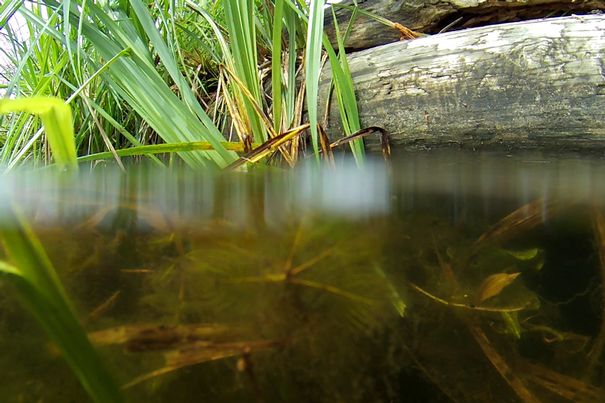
pixel 40 290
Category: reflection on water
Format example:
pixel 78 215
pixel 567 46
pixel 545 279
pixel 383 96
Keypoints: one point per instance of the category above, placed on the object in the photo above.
pixel 441 279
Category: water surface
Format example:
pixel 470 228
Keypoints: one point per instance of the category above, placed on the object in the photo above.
pixel 441 278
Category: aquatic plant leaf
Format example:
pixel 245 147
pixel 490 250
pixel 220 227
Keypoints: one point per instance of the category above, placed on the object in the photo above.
pixel 523 255
pixel 465 306
pixel 57 121
pixel 396 299
pixel 511 319
pixel 105 306
pixel 145 337
pixel 493 285
pixel 524 218
pixel 41 292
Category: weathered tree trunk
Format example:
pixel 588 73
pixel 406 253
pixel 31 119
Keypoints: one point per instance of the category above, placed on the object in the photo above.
pixel 529 84
pixel 430 16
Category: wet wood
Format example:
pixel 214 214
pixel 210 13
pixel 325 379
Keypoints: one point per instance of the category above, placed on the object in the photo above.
pixel 436 15
pixel 535 84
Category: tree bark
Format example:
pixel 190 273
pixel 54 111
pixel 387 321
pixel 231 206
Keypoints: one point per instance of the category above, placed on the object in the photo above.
pixel 431 16
pixel 521 85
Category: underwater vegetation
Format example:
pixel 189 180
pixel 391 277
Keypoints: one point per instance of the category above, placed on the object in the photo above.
pixel 207 287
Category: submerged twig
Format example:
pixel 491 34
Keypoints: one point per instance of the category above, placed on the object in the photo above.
pixel 325 145
pixel 268 147
pixel 384 139
pixel 405 32
pixel 465 306
pixel 104 306
pixel 501 366
pixel 202 352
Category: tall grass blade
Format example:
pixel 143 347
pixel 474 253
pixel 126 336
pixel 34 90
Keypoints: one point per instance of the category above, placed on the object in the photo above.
pixel 7 10
pixel 276 64
pixel 240 20
pixel 136 79
pixel 151 149
pixel 313 67
pixel 40 290
pixel 292 22
pixel 345 92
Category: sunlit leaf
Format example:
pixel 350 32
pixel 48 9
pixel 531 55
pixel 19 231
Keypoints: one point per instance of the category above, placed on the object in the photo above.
pixel 57 121
pixel 7 9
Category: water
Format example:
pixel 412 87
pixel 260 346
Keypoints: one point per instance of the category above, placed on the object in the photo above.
pixel 441 278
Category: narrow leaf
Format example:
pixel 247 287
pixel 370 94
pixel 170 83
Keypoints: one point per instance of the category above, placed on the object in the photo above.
pixel 313 67
pixel 493 285
pixel 57 121
pixel 39 288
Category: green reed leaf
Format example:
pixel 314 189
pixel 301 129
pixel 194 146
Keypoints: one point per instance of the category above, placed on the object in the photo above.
pixel 7 10
pixel 313 67
pixel 57 120
pixel 276 64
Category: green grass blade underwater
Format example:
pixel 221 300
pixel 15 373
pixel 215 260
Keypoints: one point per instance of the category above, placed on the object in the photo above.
pixel 40 290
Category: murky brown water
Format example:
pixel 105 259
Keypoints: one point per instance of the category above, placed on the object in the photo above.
pixel 436 279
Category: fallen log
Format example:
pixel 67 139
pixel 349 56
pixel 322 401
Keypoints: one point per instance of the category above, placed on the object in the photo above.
pixel 523 85
pixel 432 16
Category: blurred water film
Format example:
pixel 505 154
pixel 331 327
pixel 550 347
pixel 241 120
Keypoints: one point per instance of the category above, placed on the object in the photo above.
pixel 441 278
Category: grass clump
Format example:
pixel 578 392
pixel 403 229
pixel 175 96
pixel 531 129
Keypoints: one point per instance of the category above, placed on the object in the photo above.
pixel 232 71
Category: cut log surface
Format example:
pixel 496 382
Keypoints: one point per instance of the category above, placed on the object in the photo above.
pixel 531 84
pixel 431 16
